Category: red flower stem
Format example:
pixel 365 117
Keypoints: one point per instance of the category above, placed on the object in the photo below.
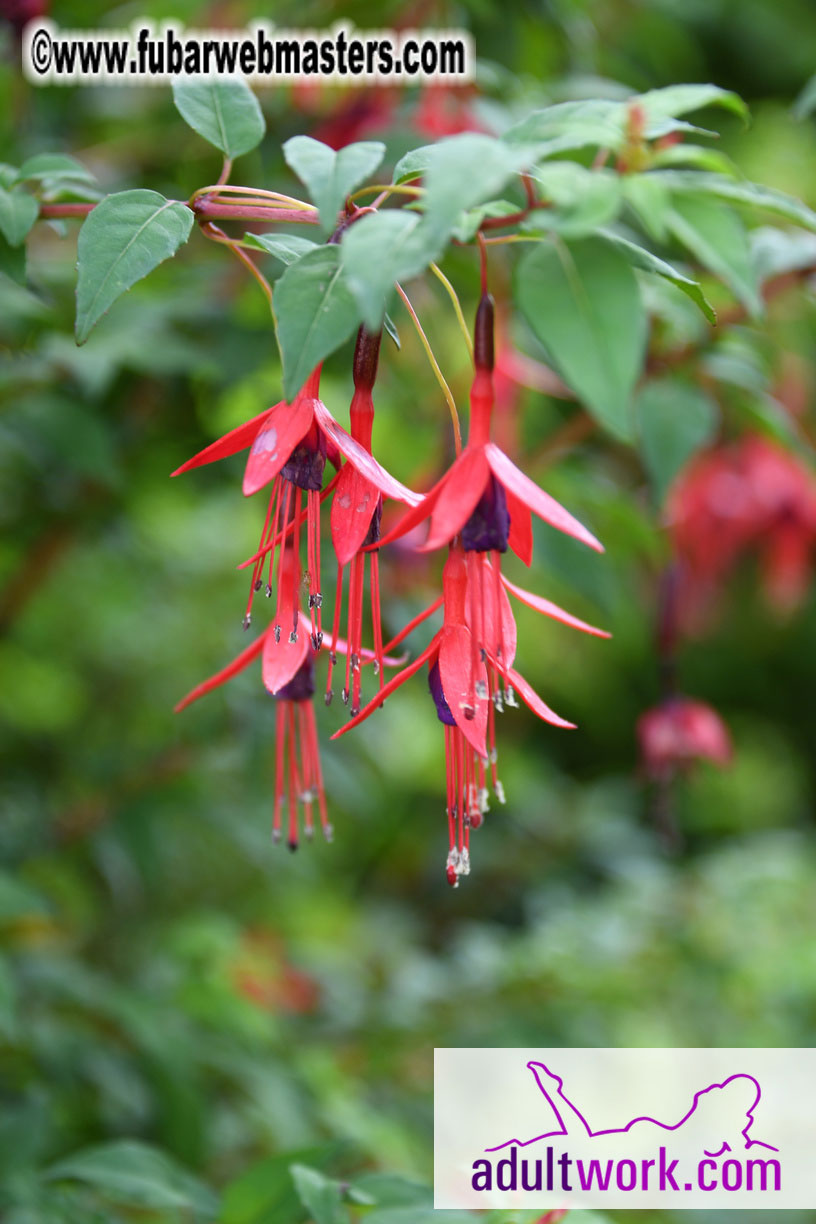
pixel 65 210
pixel 483 262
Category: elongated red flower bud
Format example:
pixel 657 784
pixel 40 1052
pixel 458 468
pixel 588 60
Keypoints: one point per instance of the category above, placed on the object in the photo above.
pixel 366 359
pixel 483 357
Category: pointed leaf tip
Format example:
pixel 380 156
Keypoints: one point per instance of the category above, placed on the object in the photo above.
pixel 124 238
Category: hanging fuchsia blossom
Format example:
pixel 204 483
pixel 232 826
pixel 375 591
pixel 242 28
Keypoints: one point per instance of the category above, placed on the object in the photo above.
pixel 355 524
pixel 289 445
pixel 287 661
pixel 486 503
pixel 471 679
pixel 483 494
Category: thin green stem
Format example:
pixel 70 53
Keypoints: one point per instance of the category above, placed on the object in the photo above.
pixel 217 235
pixel 387 189
pixel 440 378
pixel 457 306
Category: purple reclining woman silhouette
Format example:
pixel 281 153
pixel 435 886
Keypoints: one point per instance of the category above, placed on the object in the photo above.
pixel 735 1098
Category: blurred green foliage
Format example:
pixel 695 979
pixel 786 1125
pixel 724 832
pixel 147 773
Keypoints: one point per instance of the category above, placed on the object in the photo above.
pixel 186 1012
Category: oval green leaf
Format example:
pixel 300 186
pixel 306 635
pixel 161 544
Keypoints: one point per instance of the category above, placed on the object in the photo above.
pixel 225 113
pixel 18 212
pixel 582 302
pixel 315 311
pixel 121 241
pixel 330 176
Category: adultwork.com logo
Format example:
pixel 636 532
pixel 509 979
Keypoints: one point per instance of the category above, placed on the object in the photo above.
pixel 688 1128
pixel 719 1124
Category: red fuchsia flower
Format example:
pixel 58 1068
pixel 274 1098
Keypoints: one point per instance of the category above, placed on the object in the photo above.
pixel 678 732
pixel 753 496
pixel 465 671
pixel 485 501
pixel 287 662
pixel 355 525
pixel 289 445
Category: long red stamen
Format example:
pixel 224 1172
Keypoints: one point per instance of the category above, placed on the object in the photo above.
pixel 315 587
pixel 280 742
pixel 462 789
pixel 307 793
pixel 293 778
pixel 317 772
pixel 497 594
pixel 296 547
pixel 287 498
pixel 355 561
pixel 256 581
pixel 338 604
pixel 375 617
pixel 356 642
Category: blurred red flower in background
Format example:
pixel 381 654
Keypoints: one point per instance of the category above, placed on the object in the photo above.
pixel 678 732
pixel 752 496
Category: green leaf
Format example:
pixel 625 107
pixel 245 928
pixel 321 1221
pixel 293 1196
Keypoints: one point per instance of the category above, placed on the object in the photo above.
pixel 8 1003
pixel 331 176
pixel 650 199
pixel 639 257
pixel 568 126
pixel 124 238
pixel 465 170
pixel 673 100
pixel 288 248
pixel 413 165
pixel 316 311
pixel 13 262
pixel 18 902
pixel 380 249
pixel 582 199
pixel 18 212
pixel 225 113
pixel 134 1174
pixel 740 191
pixel 805 104
pixel 714 234
pixel 604 124
pixel 320 1195
pixel 582 302
pixel 675 418
pixel 53 166
pixel 265 1192
pixel 698 156
pixel 469 222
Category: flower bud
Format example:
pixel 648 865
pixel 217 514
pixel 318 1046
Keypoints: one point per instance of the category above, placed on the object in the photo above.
pixel 483 357
pixel 366 357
